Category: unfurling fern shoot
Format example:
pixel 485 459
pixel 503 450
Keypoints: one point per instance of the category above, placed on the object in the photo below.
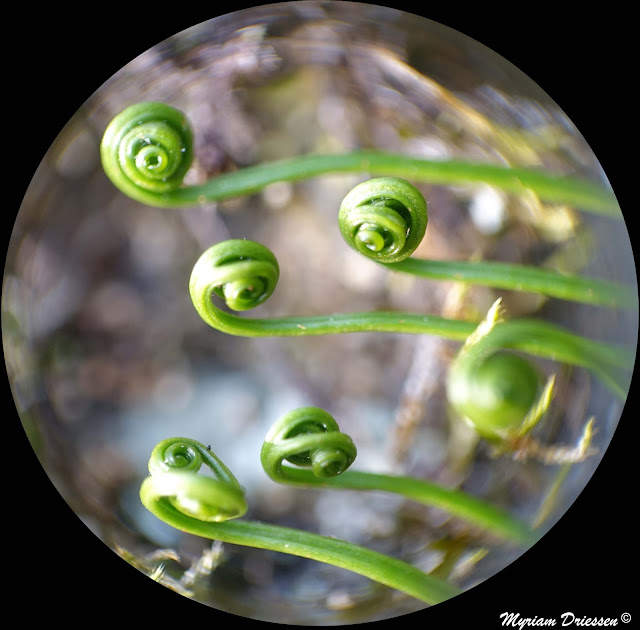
pixel 205 505
pixel 308 437
pixel 176 493
pixel 243 273
pixel 305 447
pixel 147 150
pixel 384 218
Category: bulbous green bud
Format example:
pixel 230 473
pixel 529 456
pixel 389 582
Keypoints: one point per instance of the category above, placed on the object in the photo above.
pixel 494 394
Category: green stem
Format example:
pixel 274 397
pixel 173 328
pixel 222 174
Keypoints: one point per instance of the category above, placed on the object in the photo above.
pixel 456 502
pixel 522 278
pixel 553 189
pixel 371 564
pixel 147 148
pixel 550 188
pixel 546 340
pixel 535 337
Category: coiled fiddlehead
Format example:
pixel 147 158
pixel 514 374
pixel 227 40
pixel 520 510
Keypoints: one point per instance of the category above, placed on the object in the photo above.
pixel 147 150
pixel 243 273
pixel 180 491
pixel 384 218
pixel 309 436
pixel 203 506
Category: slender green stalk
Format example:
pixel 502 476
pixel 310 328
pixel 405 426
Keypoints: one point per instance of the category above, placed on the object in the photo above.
pixel 198 504
pixel 535 337
pixel 129 163
pixel 371 564
pixel 309 437
pixel 455 502
pixel 522 278
pixel 554 189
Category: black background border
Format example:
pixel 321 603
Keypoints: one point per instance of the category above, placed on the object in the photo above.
pixel 55 58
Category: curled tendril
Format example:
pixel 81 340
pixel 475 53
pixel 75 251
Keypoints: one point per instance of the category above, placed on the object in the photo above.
pixel 498 392
pixel 383 218
pixel 308 437
pixel 146 150
pixel 243 273
pixel 204 506
pixel 175 484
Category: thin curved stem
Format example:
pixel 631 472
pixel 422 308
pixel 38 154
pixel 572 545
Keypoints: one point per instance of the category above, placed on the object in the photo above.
pixel 456 502
pixel 535 337
pixel 582 194
pixel 148 147
pixel 371 564
pixel 522 278
pixel 241 270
